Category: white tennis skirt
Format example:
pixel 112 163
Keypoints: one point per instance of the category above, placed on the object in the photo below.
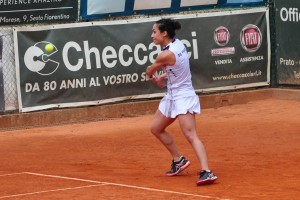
pixel 172 108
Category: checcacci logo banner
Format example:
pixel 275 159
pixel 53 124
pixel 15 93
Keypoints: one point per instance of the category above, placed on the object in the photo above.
pixel 37 58
pixel 96 63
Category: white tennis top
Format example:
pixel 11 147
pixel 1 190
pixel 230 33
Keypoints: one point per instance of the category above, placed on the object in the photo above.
pixel 179 76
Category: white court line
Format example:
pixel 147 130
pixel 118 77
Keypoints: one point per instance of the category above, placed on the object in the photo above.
pixel 47 191
pixel 12 174
pixel 124 185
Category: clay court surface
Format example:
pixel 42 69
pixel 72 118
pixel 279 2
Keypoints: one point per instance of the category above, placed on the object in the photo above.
pixel 253 148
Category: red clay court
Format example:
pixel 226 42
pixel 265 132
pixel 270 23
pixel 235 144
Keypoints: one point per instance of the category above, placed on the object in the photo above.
pixel 253 147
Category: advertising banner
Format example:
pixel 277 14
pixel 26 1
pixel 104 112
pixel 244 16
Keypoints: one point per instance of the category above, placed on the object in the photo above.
pixel 36 11
pixel 288 41
pixel 96 63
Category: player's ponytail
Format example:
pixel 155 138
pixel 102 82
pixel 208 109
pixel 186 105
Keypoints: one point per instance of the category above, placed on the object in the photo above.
pixel 176 25
pixel 168 25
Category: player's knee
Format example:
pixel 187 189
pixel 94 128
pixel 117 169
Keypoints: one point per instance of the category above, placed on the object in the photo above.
pixel 190 138
pixel 155 131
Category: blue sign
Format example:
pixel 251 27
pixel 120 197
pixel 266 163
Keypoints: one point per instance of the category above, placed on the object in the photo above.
pixel 94 9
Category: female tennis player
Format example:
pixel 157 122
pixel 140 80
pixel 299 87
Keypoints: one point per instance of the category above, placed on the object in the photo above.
pixel 180 102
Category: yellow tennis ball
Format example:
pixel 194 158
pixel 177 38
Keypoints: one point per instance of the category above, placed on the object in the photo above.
pixel 49 48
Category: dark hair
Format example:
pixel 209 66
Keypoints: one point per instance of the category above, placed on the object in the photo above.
pixel 168 25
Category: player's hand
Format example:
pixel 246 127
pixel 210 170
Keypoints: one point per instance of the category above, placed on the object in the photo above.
pixel 159 81
pixel 153 78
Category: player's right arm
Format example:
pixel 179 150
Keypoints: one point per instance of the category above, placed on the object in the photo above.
pixel 166 58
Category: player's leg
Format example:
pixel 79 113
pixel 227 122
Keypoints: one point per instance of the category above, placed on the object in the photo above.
pixel 158 128
pixel 188 125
